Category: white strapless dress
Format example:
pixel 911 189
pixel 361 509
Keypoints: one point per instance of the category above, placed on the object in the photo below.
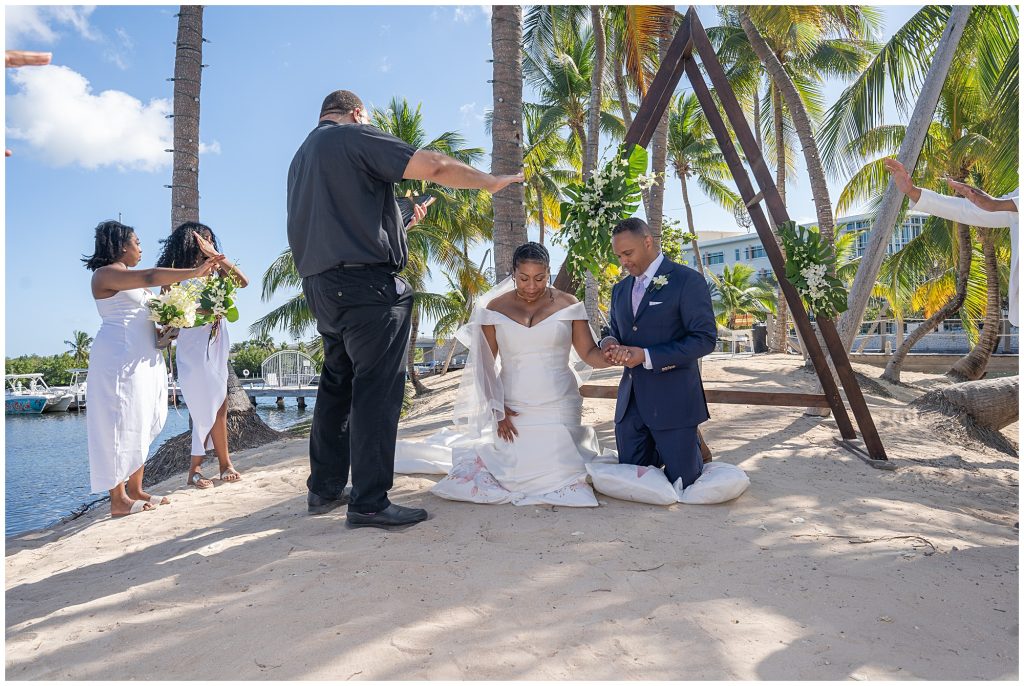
pixel 126 395
pixel 546 464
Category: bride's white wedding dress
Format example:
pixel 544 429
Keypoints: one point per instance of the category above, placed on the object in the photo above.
pixel 546 463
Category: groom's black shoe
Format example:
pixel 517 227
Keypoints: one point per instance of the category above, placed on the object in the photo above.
pixel 391 517
pixel 317 505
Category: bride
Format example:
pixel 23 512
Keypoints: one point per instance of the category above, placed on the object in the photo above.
pixel 519 438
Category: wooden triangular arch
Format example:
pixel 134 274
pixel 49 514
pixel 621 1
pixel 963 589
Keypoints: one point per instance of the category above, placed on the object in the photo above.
pixel 680 57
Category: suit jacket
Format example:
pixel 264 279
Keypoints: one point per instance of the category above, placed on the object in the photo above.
pixel 676 324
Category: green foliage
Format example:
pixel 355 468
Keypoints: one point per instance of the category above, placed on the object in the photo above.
pixel 54 368
pixel 249 355
pixel 596 206
pixel 217 299
pixel 809 267
pixel 672 239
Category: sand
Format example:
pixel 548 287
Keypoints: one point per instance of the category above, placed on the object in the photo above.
pixel 824 569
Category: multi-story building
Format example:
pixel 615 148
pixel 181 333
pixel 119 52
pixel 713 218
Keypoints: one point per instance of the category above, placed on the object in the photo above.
pixel 730 248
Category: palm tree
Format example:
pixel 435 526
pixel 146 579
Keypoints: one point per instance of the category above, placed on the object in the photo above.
pixel 796 47
pixel 694 152
pixel 734 294
pixel 507 132
pixel 545 151
pixel 79 346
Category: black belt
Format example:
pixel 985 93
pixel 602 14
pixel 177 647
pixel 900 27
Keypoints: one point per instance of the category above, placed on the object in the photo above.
pixel 376 265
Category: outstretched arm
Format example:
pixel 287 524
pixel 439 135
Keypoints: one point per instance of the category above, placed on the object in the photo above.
pixel 428 165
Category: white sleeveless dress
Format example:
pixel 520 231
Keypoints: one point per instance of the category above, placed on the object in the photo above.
pixel 126 397
pixel 546 464
pixel 203 378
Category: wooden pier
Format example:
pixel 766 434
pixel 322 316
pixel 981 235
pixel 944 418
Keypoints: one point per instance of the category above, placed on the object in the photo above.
pixel 300 393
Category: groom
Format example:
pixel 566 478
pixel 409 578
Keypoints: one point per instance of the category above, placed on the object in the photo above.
pixel 661 324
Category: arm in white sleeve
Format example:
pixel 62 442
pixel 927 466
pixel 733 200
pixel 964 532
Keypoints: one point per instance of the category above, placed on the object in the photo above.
pixel 960 210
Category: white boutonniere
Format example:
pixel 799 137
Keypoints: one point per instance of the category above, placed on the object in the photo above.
pixel 658 281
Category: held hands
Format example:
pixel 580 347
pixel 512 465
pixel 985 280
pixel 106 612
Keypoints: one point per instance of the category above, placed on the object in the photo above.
pixel 623 355
pixel 506 429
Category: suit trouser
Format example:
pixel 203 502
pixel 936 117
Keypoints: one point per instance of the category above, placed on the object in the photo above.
pixel 365 327
pixel 677 449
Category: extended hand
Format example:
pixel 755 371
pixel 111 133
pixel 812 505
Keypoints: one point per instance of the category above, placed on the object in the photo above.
pixel 25 58
pixel 625 355
pixel 506 429
pixel 501 181
pixel 901 178
pixel 981 198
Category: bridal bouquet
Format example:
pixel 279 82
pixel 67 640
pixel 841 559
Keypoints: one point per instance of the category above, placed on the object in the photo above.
pixel 173 310
pixel 217 301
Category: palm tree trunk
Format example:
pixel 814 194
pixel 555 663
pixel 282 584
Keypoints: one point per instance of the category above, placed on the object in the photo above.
pixel 590 157
pixel 659 157
pixel 895 364
pixel 689 221
pixel 507 133
pixel 188 74
pixel 627 119
pixel 757 118
pixel 802 124
pixel 972 366
pixel 991 403
pixel 411 356
pixel 910 149
pixel 778 343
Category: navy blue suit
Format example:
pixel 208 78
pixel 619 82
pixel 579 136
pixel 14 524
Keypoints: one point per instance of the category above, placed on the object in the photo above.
pixel 658 410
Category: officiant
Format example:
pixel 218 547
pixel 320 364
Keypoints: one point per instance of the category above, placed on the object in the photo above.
pixel 349 244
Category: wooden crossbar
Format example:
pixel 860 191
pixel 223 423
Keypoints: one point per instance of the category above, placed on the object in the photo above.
pixel 728 397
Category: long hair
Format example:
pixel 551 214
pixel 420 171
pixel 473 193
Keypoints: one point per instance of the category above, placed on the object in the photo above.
pixel 181 251
pixel 111 240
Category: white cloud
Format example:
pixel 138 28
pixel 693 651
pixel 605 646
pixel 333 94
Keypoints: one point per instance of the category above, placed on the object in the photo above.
pixel 56 112
pixel 463 14
pixel 385 30
pixel 384 65
pixel 468 112
pixel 119 49
pixel 30 23
pixel 486 9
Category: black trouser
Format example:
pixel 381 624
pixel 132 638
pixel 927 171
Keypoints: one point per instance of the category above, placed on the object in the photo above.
pixel 365 327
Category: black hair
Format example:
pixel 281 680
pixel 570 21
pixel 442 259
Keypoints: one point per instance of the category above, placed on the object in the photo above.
pixel 181 251
pixel 530 252
pixel 111 240
pixel 633 225
pixel 342 102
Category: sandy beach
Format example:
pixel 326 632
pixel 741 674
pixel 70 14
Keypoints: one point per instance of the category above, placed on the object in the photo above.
pixel 824 569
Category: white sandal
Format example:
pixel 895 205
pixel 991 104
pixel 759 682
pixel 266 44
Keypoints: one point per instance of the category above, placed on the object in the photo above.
pixel 137 507
pixel 232 470
pixel 157 500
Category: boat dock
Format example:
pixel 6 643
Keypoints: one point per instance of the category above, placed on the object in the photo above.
pixel 256 390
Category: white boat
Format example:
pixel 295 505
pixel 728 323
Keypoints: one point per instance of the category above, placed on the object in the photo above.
pixel 76 389
pixel 29 394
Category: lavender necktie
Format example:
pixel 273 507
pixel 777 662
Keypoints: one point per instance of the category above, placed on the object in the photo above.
pixel 639 286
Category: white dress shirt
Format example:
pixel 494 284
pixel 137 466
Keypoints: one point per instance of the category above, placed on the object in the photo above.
pixel 964 211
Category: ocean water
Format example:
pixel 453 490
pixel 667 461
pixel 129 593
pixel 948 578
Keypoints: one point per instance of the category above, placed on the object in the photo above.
pixel 47 460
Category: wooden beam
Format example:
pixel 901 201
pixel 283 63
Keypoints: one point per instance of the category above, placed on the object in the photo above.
pixel 764 231
pixel 777 210
pixel 729 397
pixel 658 96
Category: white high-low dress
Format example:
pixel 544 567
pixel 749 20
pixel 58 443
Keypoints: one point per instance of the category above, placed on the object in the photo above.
pixel 126 395
pixel 546 463
pixel 203 377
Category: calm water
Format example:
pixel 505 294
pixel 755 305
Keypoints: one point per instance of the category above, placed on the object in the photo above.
pixel 47 460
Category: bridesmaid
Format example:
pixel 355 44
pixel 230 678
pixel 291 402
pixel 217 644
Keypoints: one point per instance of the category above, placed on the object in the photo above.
pixel 203 358
pixel 127 390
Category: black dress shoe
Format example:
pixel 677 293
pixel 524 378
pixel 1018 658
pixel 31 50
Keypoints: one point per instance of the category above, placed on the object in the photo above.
pixel 391 517
pixel 317 505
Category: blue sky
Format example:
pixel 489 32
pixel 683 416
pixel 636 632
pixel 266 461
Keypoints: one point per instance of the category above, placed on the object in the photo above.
pixel 88 133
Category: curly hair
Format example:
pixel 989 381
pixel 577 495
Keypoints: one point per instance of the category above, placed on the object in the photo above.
pixel 111 240
pixel 531 252
pixel 181 251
